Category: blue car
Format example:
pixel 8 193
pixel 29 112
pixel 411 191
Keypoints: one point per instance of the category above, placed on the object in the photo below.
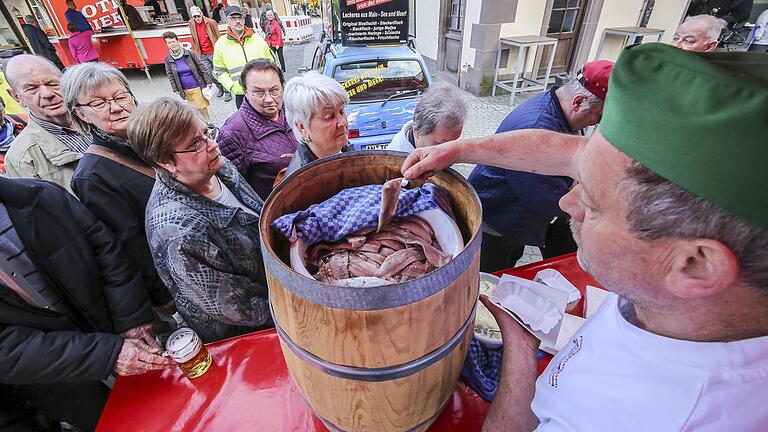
pixel 384 84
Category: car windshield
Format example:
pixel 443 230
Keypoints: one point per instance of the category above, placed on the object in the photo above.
pixel 379 79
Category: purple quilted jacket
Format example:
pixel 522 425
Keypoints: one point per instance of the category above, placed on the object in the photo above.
pixel 255 145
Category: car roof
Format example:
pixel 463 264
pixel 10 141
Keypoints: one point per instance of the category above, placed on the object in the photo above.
pixel 368 52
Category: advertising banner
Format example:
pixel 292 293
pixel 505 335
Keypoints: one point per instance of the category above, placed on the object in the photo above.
pixel 99 13
pixel 370 22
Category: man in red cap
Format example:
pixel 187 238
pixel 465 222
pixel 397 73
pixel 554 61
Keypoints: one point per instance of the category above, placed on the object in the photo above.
pixel 518 207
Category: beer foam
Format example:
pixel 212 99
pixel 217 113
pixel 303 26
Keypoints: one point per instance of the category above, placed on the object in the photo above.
pixel 183 345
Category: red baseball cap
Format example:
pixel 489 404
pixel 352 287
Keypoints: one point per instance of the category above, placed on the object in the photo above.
pixel 594 77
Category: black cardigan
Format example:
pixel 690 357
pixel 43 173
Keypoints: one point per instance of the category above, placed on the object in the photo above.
pixel 118 196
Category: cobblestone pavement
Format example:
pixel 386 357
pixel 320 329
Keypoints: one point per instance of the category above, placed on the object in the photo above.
pixel 485 113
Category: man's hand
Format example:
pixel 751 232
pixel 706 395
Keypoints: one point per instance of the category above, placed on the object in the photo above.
pixel 513 334
pixel 423 162
pixel 135 359
pixel 510 410
pixel 145 335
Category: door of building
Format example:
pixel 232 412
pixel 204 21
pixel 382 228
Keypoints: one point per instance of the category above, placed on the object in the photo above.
pixel 564 25
pixel 452 35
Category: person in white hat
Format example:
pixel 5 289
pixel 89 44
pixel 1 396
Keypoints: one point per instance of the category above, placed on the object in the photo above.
pixel 205 32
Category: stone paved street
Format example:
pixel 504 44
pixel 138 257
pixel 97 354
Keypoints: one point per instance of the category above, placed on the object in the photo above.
pixel 485 113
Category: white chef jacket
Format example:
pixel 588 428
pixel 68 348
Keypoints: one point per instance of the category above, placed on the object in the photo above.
pixel 614 376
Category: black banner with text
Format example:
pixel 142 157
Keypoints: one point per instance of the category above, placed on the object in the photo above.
pixel 370 22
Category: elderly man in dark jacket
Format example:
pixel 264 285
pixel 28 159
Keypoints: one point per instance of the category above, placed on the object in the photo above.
pixel 518 207
pixel 39 42
pixel 257 138
pixel 72 308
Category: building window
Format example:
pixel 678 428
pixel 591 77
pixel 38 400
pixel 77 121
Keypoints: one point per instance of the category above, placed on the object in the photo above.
pixel 564 14
pixel 457 19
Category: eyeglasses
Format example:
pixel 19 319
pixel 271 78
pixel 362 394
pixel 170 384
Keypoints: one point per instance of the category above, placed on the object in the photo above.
pixel 124 100
pixel 199 145
pixel 274 92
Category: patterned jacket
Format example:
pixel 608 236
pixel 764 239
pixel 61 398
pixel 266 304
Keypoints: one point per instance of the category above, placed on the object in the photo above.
pixel 208 256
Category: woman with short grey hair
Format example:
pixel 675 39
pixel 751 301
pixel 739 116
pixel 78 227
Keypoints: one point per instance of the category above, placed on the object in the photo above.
pixel 315 109
pixel 439 117
pixel 110 179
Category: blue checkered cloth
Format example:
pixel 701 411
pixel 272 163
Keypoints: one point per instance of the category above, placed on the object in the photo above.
pixel 352 210
pixel 482 368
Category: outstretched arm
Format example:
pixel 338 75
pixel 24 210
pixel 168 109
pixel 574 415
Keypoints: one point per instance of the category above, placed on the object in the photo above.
pixel 532 150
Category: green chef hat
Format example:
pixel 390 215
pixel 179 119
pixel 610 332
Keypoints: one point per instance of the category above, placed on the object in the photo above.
pixel 700 120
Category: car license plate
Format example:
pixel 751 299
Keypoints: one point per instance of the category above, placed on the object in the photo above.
pixel 376 147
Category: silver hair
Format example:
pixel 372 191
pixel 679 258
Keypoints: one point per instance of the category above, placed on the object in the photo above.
pixel 30 19
pixel 660 209
pixel 572 88
pixel 305 94
pixel 442 104
pixel 715 25
pixel 83 79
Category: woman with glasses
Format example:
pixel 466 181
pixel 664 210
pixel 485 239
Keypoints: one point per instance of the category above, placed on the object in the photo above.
pixel 202 222
pixel 257 138
pixel 110 179
pixel 315 106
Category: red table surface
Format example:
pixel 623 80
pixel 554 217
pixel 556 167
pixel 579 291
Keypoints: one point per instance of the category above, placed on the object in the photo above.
pixel 248 387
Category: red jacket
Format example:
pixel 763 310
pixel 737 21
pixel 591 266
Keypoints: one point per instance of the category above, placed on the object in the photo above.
pixel 275 39
pixel 81 47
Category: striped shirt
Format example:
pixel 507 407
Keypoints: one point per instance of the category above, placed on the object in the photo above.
pixel 13 250
pixel 71 138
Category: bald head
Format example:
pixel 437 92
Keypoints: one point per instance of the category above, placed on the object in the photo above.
pixel 20 65
pixel 36 84
pixel 698 33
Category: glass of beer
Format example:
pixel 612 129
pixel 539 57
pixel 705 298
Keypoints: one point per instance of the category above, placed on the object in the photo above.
pixel 187 350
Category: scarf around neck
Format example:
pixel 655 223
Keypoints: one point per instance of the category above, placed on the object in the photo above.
pixel 106 136
pixel 180 55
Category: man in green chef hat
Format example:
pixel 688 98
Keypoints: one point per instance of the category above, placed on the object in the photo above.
pixel 671 215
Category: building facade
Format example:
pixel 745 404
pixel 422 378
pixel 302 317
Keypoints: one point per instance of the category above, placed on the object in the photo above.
pixel 460 42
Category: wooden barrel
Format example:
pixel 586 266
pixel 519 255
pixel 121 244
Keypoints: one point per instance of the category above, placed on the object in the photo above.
pixel 380 358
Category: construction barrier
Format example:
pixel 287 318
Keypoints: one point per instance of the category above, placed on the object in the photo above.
pixel 298 28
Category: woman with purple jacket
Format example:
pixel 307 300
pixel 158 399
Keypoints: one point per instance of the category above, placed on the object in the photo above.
pixel 257 138
pixel 80 45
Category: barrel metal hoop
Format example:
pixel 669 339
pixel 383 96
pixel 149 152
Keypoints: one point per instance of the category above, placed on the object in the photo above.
pixel 374 374
pixel 372 298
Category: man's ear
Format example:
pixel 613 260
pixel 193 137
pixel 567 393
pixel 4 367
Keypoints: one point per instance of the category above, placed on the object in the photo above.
pixel 15 97
pixel 577 102
pixel 711 46
pixel 701 268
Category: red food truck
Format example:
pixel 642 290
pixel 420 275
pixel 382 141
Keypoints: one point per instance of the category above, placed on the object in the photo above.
pixel 116 43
